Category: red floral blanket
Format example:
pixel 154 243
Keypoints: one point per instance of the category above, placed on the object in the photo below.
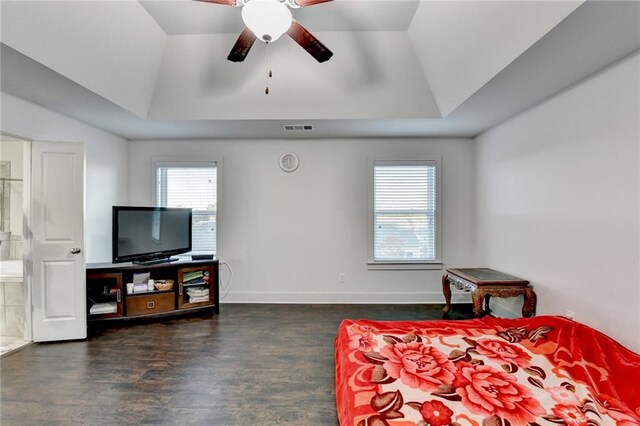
pixel 489 372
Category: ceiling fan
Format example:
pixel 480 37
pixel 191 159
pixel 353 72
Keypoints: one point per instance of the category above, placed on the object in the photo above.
pixel 267 20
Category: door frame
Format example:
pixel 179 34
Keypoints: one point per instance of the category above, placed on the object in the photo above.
pixel 27 264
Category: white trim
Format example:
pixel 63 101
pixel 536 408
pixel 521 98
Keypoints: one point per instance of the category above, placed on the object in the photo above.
pixel 437 263
pixel 407 266
pixel 185 163
pixel 342 297
pixel 172 161
pixel 27 269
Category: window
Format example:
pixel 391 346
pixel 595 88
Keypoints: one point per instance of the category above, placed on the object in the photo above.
pixel 192 185
pixel 405 216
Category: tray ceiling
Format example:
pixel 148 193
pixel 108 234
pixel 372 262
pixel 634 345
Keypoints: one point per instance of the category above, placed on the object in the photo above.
pixel 189 17
pixel 156 69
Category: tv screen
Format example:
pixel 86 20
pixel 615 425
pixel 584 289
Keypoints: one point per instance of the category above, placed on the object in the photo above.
pixel 148 233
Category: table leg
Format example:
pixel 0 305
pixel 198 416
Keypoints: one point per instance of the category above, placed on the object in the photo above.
pixel 446 290
pixel 529 305
pixel 477 297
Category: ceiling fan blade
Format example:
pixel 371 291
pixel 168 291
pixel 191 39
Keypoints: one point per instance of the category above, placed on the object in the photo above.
pixel 304 3
pixel 309 43
pixel 225 2
pixel 243 45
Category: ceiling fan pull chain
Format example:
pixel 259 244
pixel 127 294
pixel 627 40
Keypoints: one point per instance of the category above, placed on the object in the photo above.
pixel 269 73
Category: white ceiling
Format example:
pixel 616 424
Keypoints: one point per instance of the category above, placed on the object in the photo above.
pixel 401 68
pixel 178 17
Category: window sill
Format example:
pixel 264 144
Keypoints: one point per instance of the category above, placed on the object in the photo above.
pixel 388 266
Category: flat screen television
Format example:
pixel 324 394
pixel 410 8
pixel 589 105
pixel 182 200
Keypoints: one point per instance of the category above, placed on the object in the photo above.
pixel 147 234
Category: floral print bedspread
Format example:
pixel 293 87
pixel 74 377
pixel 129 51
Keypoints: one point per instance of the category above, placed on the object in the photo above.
pixel 484 372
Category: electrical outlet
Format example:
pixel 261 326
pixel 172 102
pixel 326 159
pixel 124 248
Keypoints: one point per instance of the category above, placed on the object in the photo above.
pixel 342 278
pixel 569 314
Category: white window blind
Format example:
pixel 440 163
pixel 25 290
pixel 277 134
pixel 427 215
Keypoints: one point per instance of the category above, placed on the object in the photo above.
pixel 404 212
pixel 196 188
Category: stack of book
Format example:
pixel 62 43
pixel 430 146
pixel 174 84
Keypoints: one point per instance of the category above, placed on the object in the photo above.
pixel 103 308
pixel 198 294
pixel 194 277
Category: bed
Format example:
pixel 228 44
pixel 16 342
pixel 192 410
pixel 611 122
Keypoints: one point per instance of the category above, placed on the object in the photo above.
pixel 484 372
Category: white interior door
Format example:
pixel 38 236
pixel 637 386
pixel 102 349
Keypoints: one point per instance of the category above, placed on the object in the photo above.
pixel 57 227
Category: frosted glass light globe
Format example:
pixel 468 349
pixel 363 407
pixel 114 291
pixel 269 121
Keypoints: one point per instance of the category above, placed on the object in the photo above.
pixel 267 19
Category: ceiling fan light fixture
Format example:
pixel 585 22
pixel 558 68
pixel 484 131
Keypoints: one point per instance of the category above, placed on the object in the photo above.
pixel 267 19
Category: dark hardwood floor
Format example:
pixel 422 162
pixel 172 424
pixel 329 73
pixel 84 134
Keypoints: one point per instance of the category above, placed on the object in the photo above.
pixel 251 365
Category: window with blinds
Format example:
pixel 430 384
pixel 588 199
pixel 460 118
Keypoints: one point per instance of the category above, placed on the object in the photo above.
pixel 404 216
pixel 192 187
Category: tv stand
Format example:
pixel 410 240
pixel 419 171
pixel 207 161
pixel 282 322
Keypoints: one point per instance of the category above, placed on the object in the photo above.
pixel 195 290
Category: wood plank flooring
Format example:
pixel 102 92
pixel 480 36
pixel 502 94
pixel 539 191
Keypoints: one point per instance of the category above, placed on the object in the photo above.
pixel 251 365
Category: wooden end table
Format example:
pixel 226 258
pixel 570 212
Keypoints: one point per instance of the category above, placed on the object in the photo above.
pixel 484 283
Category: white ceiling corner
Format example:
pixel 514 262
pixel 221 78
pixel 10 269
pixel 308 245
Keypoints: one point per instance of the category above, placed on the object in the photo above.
pixel 112 48
pixel 464 44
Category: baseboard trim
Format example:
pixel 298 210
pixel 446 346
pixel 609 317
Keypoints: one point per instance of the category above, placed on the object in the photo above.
pixel 341 298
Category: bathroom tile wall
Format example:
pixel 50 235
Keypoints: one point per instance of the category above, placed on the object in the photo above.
pixel 5 196
pixel 12 309
pixel 12 249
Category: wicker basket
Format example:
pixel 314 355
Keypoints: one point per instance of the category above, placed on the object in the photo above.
pixel 163 285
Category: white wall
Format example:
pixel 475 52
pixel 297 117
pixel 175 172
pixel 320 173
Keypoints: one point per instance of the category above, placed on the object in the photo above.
pixel 289 236
pixel 106 164
pixel 558 201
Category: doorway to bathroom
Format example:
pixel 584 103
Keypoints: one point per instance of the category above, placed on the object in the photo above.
pixel 15 320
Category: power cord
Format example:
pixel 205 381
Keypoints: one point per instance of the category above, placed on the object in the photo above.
pixel 225 287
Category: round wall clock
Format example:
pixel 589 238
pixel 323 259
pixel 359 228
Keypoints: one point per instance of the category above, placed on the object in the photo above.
pixel 289 162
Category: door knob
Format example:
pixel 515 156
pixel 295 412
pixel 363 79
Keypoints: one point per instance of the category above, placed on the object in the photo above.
pixel 75 250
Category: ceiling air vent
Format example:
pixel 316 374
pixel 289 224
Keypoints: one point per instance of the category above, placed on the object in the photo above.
pixel 297 127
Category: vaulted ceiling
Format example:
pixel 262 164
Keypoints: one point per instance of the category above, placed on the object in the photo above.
pixel 158 69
